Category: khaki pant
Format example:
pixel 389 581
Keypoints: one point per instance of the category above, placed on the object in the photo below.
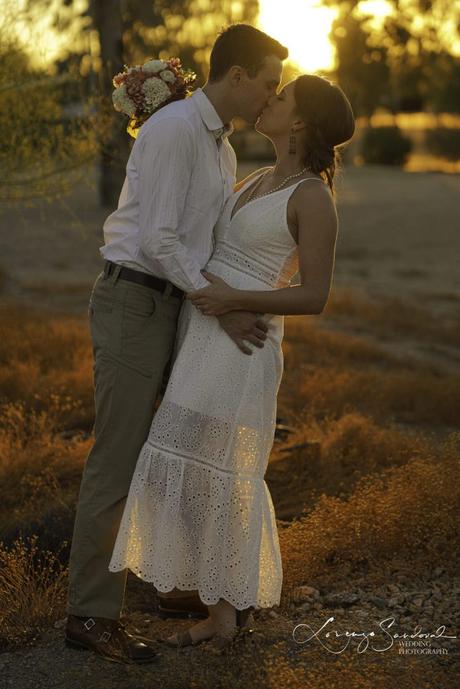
pixel 133 330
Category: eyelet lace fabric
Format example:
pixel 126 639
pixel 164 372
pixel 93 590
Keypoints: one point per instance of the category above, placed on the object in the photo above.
pixel 199 515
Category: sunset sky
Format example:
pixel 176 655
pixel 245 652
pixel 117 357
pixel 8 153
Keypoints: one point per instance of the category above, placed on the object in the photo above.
pixel 302 25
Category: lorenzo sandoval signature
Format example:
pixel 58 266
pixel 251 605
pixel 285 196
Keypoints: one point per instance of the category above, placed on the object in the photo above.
pixel 364 644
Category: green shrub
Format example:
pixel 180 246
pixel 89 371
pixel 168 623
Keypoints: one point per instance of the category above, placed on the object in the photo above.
pixel 444 142
pixel 385 146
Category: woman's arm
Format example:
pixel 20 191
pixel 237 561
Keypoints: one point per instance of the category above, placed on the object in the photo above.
pixel 317 224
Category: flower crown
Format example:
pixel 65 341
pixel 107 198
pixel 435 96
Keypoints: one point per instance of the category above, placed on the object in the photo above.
pixel 142 90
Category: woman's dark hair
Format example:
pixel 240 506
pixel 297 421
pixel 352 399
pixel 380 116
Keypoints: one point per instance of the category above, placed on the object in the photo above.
pixel 330 122
pixel 243 45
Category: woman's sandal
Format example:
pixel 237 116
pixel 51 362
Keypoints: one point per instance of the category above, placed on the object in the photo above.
pixel 220 643
pixel 242 617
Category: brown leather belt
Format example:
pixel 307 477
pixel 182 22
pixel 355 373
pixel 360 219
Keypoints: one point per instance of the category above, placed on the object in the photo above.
pixel 142 278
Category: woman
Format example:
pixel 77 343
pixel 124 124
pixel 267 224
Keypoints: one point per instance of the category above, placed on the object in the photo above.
pixel 199 515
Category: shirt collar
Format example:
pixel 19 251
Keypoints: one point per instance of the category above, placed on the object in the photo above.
pixel 209 115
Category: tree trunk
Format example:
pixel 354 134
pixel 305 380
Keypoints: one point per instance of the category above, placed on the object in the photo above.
pixel 115 147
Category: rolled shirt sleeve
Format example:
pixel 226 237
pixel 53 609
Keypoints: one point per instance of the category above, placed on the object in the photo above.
pixel 165 164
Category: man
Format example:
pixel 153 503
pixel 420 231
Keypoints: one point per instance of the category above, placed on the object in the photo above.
pixel 180 172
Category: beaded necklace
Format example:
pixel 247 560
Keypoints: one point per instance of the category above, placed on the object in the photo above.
pixel 252 196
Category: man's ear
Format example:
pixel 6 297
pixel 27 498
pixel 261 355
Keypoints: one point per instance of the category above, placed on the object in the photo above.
pixel 235 74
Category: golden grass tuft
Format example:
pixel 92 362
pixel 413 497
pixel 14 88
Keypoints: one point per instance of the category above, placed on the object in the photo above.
pixel 353 444
pixel 46 363
pixel 417 396
pixel 335 373
pixel 32 590
pixel 390 315
pixel 39 470
pixel 405 514
pixel 330 456
pixel 306 342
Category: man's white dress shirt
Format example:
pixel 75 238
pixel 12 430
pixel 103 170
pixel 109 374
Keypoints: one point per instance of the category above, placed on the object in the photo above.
pixel 180 173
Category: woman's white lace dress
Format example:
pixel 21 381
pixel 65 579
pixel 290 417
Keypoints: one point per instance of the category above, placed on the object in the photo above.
pixel 199 515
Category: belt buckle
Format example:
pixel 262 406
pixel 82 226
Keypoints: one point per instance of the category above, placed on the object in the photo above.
pixel 107 269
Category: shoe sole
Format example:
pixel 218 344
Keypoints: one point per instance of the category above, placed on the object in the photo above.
pixel 80 646
pixel 171 644
pixel 164 614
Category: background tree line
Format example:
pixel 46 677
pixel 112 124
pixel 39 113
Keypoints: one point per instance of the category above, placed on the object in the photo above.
pixel 55 120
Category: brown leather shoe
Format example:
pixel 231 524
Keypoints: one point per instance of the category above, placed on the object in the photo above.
pixel 109 639
pixel 190 606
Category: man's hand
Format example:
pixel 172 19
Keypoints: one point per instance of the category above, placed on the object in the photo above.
pixel 244 325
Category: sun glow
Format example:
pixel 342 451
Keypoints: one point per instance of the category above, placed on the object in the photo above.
pixel 303 26
pixel 40 32
pixel 377 9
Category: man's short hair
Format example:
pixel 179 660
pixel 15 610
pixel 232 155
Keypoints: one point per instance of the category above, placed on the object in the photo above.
pixel 243 45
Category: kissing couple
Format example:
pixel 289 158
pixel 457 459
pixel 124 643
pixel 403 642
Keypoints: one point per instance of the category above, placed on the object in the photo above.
pixel 197 277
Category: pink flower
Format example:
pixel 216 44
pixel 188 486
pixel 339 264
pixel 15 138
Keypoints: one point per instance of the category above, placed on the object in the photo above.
pixel 119 78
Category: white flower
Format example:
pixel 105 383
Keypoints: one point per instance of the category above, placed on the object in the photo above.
pixel 154 66
pixel 167 75
pixel 156 92
pixel 122 102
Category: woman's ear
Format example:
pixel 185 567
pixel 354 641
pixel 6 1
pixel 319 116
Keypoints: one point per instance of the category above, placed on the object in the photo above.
pixel 298 125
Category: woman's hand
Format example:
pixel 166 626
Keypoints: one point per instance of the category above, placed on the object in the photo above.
pixel 216 299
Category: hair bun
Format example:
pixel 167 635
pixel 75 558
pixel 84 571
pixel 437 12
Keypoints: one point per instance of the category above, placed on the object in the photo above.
pixel 330 121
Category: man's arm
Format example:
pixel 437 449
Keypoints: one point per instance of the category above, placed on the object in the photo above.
pixel 165 168
pixel 166 158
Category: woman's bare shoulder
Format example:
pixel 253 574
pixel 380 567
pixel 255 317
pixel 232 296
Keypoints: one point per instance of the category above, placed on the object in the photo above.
pixel 312 193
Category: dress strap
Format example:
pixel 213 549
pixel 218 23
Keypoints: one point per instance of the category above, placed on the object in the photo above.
pixel 305 179
pixel 292 187
pixel 252 179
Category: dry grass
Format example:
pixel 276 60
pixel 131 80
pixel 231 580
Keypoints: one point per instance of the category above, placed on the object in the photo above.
pixel 46 411
pixel 407 516
pixel 329 457
pixel 39 470
pixel 329 374
pixel 306 343
pixel 407 396
pixel 45 363
pixel 371 486
pixel 391 316
pixel 32 590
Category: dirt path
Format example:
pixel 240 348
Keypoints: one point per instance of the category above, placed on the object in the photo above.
pixel 398 237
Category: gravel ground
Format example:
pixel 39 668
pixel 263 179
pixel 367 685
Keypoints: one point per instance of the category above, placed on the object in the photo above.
pixel 410 605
